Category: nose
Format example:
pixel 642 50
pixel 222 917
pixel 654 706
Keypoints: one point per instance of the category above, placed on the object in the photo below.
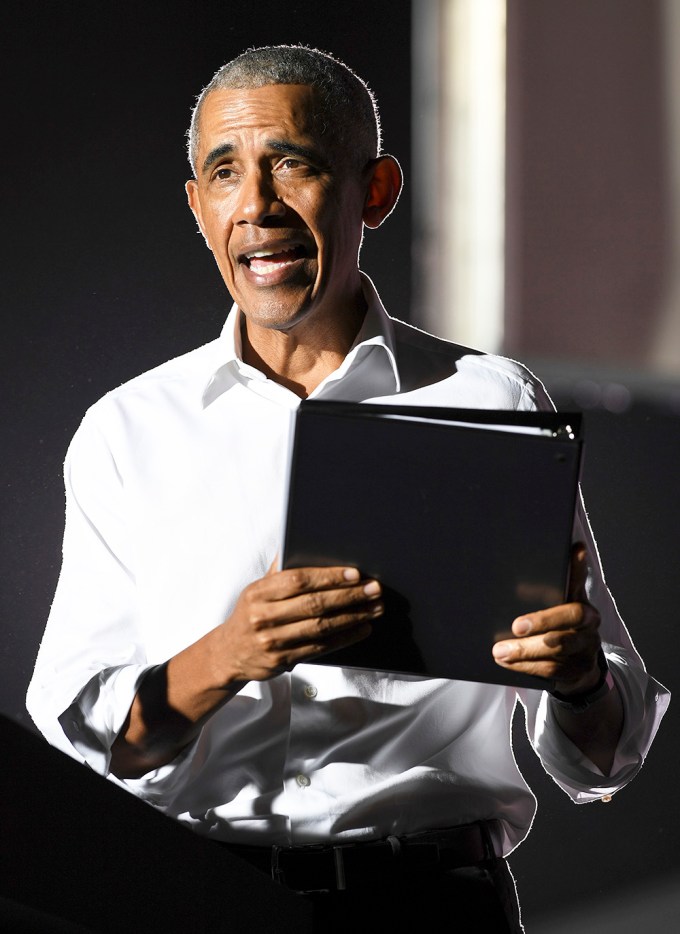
pixel 258 200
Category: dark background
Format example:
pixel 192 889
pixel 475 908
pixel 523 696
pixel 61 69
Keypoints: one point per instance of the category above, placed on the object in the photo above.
pixel 105 275
pixel 104 272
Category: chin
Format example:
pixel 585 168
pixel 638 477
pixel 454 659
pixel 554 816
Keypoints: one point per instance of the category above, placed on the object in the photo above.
pixel 277 314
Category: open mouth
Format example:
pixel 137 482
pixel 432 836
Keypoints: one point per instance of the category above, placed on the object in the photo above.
pixel 263 262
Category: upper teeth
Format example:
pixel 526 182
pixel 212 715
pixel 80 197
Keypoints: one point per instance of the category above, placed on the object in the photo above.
pixel 258 253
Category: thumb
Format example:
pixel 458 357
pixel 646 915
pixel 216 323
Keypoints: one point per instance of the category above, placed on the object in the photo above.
pixel 578 573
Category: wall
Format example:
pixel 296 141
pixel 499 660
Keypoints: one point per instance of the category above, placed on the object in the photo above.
pixel 589 254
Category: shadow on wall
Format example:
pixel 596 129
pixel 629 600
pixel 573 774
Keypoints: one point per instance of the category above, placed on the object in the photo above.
pixel 601 868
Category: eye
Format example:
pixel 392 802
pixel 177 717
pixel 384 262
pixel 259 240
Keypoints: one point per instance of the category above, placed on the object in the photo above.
pixel 224 173
pixel 296 168
pixel 290 164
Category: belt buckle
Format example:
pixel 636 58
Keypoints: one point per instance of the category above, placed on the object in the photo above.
pixel 278 870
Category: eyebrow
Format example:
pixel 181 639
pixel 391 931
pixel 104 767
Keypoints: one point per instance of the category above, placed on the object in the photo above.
pixel 285 147
pixel 224 149
pixel 295 149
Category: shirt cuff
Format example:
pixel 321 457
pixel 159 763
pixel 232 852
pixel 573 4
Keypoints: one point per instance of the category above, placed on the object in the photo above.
pixel 94 719
pixel 644 702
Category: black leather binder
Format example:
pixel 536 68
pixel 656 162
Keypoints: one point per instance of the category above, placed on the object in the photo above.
pixel 466 516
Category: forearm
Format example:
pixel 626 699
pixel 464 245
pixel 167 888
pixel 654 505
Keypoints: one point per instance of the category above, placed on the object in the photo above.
pixel 170 707
pixel 280 620
pixel 596 731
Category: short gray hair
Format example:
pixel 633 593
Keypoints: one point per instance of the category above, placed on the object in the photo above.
pixel 347 106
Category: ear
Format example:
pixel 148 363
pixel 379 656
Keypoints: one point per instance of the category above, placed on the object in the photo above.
pixel 384 187
pixel 194 199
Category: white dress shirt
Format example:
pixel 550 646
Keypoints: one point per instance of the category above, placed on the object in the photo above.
pixel 175 489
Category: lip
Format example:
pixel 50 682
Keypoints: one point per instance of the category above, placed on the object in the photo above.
pixel 284 271
pixel 272 245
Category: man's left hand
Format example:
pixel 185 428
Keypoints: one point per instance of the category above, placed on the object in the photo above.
pixel 560 643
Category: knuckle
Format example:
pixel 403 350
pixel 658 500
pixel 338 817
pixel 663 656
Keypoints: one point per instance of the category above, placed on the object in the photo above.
pixel 576 612
pixel 314 605
pixel 298 579
pixel 267 642
pixel 320 623
pixel 563 643
pixel 248 595
pixel 259 617
pixel 251 599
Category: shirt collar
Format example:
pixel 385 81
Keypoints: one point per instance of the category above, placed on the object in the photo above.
pixel 377 331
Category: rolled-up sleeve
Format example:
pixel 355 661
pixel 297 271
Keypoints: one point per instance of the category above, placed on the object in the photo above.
pixel 92 657
pixel 644 699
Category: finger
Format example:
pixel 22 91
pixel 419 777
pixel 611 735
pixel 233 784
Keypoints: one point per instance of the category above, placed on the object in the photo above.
pixel 316 605
pixel 578 573
pixel 546 646
pixel 284 643
pixel 318 631
pixel 566 616
pixel 280 585
pixel 560 655
pixel 314 594
pixel 289 654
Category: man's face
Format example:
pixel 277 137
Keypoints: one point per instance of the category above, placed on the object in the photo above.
pixel 279 206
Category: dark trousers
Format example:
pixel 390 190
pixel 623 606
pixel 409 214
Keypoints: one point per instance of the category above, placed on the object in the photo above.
pixel 460 901
pixel 457 901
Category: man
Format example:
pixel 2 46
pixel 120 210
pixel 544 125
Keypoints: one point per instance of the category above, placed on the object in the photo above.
pixel 179 661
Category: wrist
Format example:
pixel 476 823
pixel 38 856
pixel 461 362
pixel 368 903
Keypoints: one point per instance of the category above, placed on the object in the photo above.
pixel 579 702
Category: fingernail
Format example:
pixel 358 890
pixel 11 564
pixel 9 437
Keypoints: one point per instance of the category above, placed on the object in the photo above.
pixel 521 627
pixel 501 651
pixel 351 574
pixel 372 588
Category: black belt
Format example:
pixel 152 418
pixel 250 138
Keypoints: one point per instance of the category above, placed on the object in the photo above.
pixel 328 867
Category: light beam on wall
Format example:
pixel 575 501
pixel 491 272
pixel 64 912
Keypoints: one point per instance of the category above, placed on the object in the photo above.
pixel 459 169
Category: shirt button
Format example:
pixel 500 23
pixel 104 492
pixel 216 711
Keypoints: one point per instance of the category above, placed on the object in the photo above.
pixel 302 780
pixel 310 691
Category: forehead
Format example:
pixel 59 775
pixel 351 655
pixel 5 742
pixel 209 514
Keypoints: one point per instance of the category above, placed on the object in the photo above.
pixel 284 109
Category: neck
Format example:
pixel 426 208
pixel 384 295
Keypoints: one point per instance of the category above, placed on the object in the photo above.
pixel 302 357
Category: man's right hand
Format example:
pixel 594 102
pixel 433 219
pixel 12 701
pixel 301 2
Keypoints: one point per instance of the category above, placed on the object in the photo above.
pixel 284 618
pixel 294 615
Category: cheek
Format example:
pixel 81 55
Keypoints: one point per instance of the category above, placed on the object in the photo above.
pixel 218 231
pixel 342 220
